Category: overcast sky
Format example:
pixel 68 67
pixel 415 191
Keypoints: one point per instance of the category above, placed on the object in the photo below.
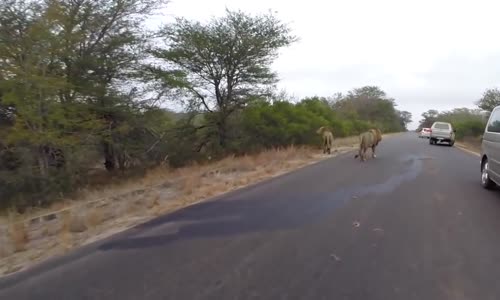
pixel 426 54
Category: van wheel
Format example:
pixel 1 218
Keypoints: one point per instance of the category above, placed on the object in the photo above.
pixel 486 182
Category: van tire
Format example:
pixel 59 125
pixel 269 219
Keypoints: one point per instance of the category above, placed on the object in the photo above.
pixel 486 182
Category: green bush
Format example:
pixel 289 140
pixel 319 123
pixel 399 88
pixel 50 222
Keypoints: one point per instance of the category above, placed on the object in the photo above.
pixel 284 123
pixel 469 128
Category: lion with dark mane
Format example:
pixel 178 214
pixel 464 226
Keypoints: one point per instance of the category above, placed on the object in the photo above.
pixel 368 139
pixel 327 136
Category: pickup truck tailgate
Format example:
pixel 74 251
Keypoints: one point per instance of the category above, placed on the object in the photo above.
pixel 441 133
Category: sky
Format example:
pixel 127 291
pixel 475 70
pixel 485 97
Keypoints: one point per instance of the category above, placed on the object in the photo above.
pixel 426 54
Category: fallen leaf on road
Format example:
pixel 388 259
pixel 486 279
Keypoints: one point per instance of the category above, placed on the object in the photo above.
pixel 355 224
pixel 335 257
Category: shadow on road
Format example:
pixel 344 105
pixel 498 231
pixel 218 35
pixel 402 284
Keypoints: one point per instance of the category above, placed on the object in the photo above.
pixel 227 218
pixel 281 210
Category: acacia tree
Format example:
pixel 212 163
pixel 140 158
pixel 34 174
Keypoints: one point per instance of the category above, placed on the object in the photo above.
pixel 103 46
pixel 63 65
pixel 367 92
pixel 428 118
pixel 31 81
pixel 89 49
pixel 490 99
pixel 369 103
pixel 405 117
pixel 225 63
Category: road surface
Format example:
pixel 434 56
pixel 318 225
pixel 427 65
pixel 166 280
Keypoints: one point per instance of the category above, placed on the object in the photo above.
pixel 414 223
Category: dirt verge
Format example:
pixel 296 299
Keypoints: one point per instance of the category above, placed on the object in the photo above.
pixel 470 144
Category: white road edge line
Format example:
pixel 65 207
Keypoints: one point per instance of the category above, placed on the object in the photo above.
pixel 468 151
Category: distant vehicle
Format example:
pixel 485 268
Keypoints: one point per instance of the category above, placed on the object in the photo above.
pixel 442 132
pixel 425 133
pixel 490 151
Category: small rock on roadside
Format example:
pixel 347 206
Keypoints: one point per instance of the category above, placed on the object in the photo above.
pixel 77 224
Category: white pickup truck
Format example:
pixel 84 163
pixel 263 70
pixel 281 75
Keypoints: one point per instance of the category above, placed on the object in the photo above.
pixel 442 132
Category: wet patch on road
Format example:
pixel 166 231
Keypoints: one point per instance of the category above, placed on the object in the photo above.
pixel 413 167
pixel 260 215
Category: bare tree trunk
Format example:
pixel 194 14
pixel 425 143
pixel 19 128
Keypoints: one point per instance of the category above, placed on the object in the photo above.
pixel 221 128
pixel 109 156
pixel 222 131
pixel 122 160
pixel 43 162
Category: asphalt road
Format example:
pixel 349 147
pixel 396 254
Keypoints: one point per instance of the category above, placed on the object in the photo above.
pixel 414 223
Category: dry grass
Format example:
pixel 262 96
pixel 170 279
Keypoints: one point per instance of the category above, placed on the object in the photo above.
pixel 98 213
pixel 66 232
pixel 471 143
pixel 94 218
pixel 18 236
pixel 66 221
pixel 3 250
pixel 154 201
pixel 191 183
pixel 77 223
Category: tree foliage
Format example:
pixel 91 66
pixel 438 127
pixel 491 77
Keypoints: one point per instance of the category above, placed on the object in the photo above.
pixel 490 99
pixel 428 118
pixel 63 65
pixel 371 103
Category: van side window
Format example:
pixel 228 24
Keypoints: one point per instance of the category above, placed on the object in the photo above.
pixel 494 123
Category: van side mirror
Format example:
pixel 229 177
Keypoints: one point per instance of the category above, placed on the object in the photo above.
pixel 454 130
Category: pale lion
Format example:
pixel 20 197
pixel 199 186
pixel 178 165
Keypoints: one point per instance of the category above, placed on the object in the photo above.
pixel 369 139
pixel 378 135
pixel 327 137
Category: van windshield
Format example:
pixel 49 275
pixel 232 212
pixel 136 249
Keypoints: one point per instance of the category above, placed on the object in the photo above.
pixel 441 126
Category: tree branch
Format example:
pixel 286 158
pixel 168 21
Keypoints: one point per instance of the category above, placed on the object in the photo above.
pixel 201 98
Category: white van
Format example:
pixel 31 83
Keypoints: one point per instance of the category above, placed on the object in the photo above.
pixel 490 151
